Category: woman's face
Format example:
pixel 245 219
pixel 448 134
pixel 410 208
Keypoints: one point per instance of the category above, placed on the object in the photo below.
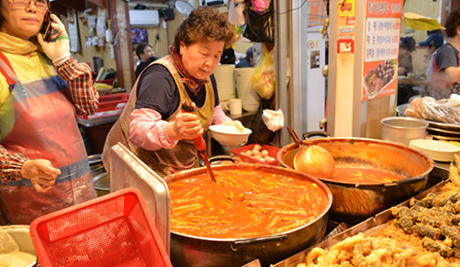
pixel 23 21
pixel 201 59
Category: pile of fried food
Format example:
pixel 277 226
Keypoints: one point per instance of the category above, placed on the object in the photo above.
pixel 428 108
pixel 426 234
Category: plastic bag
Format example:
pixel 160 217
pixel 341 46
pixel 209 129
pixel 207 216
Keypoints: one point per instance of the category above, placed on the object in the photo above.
pixel 263 79
pixel 260 26
pixel 444 110
pixel 261 133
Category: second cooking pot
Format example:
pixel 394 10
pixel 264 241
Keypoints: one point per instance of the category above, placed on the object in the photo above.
pixel 354 202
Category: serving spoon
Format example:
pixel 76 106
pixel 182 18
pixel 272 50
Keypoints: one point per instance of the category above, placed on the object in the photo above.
pixel 313 159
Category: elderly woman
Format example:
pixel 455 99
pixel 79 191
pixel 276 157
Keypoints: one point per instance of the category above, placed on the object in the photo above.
pixel 152 124
pixel 44 166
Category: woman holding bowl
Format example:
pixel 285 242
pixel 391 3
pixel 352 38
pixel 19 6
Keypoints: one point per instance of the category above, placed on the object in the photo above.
pixel 152 124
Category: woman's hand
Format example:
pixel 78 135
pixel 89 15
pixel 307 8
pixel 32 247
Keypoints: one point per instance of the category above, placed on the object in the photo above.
pixel 41 174
pixel 58 48
pixel 185 126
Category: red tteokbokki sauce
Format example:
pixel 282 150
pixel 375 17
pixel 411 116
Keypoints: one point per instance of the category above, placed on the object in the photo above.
pixel 243 204
pixel 367 176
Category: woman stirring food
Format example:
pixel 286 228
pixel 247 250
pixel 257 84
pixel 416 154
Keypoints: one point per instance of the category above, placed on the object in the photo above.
pixel 152 124
pixel 44 166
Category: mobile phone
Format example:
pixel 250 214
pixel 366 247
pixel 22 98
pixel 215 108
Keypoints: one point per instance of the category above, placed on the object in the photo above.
pixel 46 27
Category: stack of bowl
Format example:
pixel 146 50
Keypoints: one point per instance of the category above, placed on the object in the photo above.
pixel 245 90
pixel 225 79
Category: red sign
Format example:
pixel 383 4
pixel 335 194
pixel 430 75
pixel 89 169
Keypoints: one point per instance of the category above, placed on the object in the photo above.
pixel 381 47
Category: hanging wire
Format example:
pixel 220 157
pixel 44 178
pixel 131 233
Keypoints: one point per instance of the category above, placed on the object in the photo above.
pixel 292 9
pixel 301 5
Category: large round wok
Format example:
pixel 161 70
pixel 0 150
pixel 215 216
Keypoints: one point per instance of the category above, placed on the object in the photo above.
pixel 187 250
pixel 355 202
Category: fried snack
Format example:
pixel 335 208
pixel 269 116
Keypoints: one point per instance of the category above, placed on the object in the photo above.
pixel 424 234
pixel 386 249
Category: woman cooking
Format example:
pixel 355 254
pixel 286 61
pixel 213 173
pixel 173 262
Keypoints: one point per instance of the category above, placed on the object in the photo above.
pixel 43 161
pixel 152 124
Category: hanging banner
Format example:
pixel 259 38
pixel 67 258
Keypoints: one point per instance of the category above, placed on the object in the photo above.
pixel 381 47
pixel 346 26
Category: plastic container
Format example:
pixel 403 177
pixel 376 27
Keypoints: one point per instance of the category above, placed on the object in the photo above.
pixel 26 255
pixel 106 81
pixel 436 150
pixel 109 105
pixel 272 152
pixel 113 230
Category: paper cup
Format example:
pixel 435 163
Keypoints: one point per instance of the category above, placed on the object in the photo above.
pixel 234 106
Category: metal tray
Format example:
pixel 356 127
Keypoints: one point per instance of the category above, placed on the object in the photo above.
pixel 127 170
pixel 443 137
pixel 444 126
pixel 369 226
pixel 455 128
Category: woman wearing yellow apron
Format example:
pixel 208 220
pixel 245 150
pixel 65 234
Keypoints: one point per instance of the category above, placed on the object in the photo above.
pixel 43 161
pixel 152 124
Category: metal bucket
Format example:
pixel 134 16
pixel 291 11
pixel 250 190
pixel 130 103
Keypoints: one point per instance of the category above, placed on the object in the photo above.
pixel 95 164
pixel 403 129
pixel 102 184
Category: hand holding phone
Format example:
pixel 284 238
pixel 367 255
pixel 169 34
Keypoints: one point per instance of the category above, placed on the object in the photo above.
pixel 46 29
pixel 54 39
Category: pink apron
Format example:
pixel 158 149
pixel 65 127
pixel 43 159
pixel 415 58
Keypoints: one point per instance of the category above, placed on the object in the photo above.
pixel 440 88
pixel 38 120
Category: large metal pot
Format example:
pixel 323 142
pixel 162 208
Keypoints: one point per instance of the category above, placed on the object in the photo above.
pixel 187 250
pixel 403 129
pixel 355 202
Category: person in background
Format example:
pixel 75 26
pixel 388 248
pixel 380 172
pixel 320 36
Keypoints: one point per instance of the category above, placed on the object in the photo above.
pixel 432 42
pixel 136 59
pixel 446 69
pixel 228 56
pixel 152 124
pixel 145 53
pixel 44 165
pixel 406 47
pixel 248 60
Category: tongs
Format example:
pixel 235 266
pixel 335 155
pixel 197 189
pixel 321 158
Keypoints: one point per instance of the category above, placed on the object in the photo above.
pixel 200 144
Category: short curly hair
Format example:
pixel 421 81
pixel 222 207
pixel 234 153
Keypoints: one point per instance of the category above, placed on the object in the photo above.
pixel 205 24
pixel 452 23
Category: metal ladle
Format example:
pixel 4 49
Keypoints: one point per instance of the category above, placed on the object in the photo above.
pixel 313 160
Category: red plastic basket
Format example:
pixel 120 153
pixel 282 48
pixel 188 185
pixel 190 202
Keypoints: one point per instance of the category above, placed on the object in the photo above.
pixel 109 105
pixel 272 152
pixel 113 230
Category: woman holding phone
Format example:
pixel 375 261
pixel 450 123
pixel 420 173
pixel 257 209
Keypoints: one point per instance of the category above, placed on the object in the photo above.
pixel 43 162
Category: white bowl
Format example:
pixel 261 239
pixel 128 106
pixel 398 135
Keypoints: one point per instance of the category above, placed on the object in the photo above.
pixel 436 150
pixel 229 135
